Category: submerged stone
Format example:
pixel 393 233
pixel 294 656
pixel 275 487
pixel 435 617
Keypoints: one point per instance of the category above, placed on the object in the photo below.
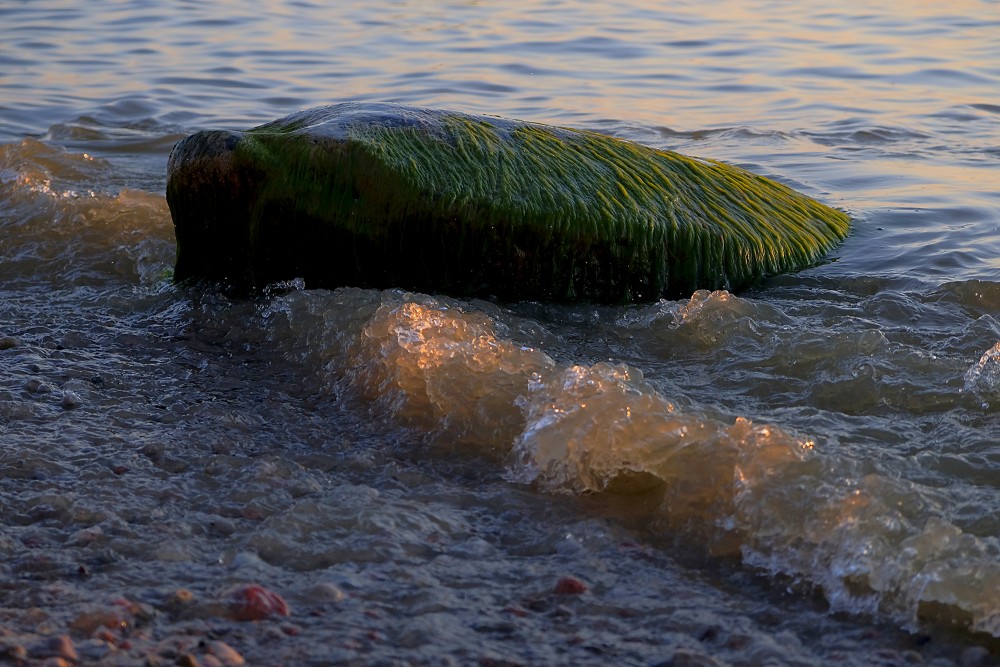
pixel 382 195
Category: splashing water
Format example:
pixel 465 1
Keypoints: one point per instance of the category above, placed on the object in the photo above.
pixel 870 543
pixel 983 378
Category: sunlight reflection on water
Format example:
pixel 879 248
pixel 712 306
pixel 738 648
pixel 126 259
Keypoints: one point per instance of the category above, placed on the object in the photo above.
pixel 160 437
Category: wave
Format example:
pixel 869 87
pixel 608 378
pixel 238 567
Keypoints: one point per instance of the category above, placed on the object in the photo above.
pixel 870 542
pixel 62 226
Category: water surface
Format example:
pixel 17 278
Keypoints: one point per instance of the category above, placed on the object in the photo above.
pixel 806 473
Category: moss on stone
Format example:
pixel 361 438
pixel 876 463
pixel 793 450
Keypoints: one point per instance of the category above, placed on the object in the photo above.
pixel 382 195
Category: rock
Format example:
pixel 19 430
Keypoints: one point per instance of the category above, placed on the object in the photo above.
pixel 187 660
pixel 326 592
pixel 60 647
pixel 13 651
pixel 224 653
pixel 8 342
pixel 70 400
pixel 221 526
pixel 88 622
pixel 94 650
pixel 36 386
pixel 570 586
pixel 253 602
pixel 381 195
pixel 685 658
pixel 180 598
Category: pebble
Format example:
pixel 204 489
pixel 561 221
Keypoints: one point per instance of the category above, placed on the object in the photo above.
pixel 253 602
pixel 187 660
pixel 93 650
pixel 221 526
pixel 516 611
pixel 224 653
pixel 15 652
pixel 179 601
pixel 247 559
pixel 684 658
pixel 89 622
pixel 71 399
pixel 325 592
pixel 570 586
pixel 8 342
pixel 36 386
pixel 85 536
pixel 35 616
pixel 60 646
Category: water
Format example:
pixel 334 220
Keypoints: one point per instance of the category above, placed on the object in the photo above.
pixel 807 473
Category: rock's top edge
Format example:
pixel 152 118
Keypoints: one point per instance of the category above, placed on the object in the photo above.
pixel 339 121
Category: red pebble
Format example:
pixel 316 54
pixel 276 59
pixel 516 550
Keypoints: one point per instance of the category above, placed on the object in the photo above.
pixel 252 513
pixel 253 602
pixel 517 611
pixel 570 586
pixel 105 636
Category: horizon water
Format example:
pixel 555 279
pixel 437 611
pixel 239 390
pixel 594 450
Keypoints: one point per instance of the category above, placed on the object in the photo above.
pixel 806 473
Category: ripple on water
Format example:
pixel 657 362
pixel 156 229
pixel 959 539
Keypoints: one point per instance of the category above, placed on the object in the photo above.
pixel 348 450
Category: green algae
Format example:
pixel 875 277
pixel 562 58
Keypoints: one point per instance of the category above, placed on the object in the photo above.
pixel 379 195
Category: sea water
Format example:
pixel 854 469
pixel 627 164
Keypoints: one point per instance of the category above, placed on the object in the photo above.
pixel 806 473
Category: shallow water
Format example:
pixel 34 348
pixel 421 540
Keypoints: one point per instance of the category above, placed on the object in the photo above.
pixel 807 473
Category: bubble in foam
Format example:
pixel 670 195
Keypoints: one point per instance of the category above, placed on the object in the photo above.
pixel 63 228
pixel 445 369
pixel 603 427
pixel 870 543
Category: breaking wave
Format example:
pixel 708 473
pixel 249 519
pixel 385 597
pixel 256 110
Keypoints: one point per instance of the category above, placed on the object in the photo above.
pixel 870 542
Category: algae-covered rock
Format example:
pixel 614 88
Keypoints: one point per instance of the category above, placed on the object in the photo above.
pixel 381 195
